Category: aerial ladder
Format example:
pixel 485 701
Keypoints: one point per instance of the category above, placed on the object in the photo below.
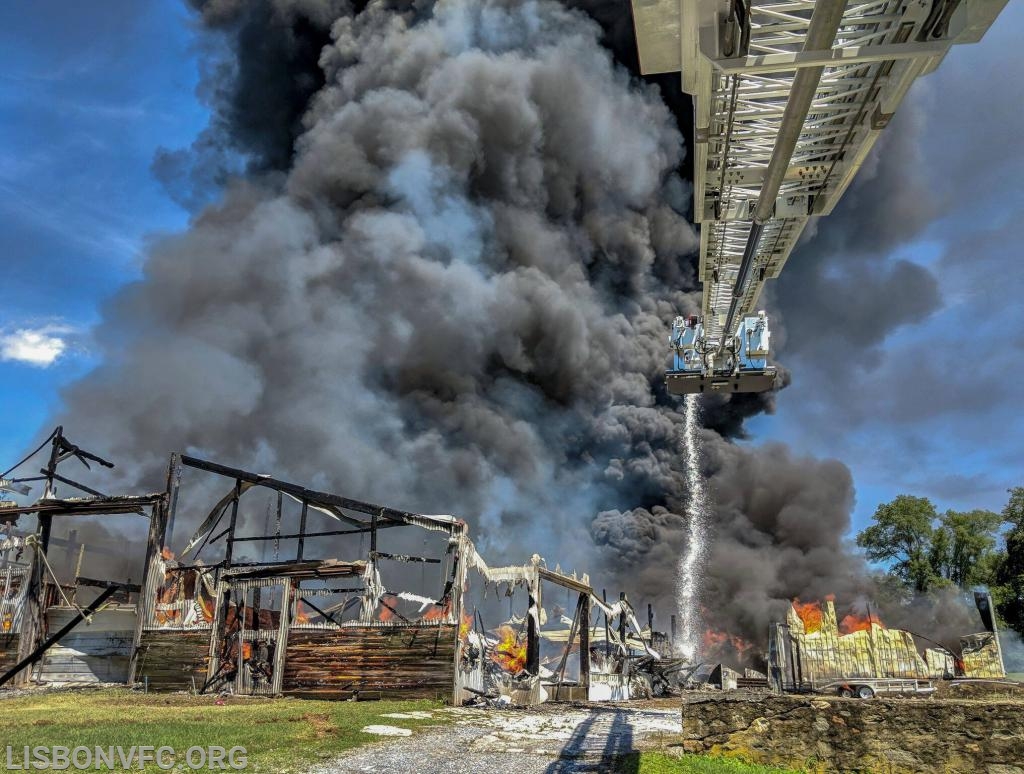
pixel 789 97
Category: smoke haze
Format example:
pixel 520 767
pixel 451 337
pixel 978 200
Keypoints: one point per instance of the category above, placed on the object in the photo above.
pixel 447 242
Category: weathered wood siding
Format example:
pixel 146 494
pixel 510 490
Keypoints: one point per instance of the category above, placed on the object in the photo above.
pixel 96 652
pixel 8 651
pixel 171 660
pixel 385 661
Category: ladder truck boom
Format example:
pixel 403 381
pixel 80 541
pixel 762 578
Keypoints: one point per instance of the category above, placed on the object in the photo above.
pixel 789 97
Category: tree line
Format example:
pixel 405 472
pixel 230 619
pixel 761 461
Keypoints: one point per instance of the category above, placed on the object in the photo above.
pixel 924 550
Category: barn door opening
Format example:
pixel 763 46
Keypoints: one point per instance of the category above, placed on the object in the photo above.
pixel 252 633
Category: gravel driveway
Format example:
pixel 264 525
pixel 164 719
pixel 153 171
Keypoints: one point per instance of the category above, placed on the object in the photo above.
pixel 556 739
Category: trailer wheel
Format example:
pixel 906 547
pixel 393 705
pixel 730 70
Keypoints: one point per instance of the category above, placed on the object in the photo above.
pixel 866 692
pixel 846 692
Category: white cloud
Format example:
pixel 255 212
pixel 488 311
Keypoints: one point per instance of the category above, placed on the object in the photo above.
pixel 39 347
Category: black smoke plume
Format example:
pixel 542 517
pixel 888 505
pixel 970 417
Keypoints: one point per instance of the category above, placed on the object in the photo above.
pixel 444 282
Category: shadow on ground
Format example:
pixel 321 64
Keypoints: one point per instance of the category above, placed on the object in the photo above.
pixel 616 754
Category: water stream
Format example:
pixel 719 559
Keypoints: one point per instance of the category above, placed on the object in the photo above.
pixel 692 560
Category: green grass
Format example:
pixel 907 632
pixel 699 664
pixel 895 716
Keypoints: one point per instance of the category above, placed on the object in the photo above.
pixel 662 763
pixel 280 735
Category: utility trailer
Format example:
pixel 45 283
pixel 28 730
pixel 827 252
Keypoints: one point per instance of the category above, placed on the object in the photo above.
pixel 868 688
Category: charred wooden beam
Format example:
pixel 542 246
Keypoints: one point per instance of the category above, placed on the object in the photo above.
pixel 63 449
pixel 85 506
pixel 622 634
pixel 302 530
pixel 484 694
pixel 403 557
pixel 302 493
pixel 45 530
pixel 106 584
pixel 229 551
pixel 393 610
pixel 323 568
pixel 456 602
pixel 585 640
pixel 151 573
pixel 173 485
pixel 33 612
pixel 326 592
pixel 325 614
pixel 532 635
pixel 219 535
pixel 70 482
pixel 572 636
pixel 277 523
pixel 607 626
pixel 301 535
pixel 565 581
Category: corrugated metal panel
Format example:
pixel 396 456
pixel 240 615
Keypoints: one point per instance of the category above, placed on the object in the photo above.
pixel 173 660
pixel 981 656
pixel 389 661
pixel 94 652
pixel 12 588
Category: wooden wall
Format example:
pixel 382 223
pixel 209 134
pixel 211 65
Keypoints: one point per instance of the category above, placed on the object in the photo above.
pixel 89 653
pixel 374 661
pixel 171 659
pixel 8 651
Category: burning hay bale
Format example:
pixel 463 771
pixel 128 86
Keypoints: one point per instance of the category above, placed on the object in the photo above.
pixel 814 651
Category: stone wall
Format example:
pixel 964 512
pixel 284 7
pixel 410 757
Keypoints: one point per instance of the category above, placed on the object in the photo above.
pixel 888 735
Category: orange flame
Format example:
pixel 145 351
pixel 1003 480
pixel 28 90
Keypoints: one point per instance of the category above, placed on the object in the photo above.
pixel 510 652
pixel 166 554
pixel 859 623
pixel 437 612
pixel 167 593
pixel 715 643
pixel 205 608
pixel 464 626
pixel 300 615
pixel 246 651
pixel 385 613
pixel 810 614
pixel 166 616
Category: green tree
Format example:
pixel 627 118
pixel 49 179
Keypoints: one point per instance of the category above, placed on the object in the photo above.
pixel 963 547
pixel 902 536
pixel 923 551
pixel 1009 574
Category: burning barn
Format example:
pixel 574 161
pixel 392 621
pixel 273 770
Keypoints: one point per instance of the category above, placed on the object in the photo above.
pixel 277 588
pixel 40 615
pixel 259 586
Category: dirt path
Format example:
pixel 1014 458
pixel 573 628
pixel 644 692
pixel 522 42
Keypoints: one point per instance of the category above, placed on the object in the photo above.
pixel 551 739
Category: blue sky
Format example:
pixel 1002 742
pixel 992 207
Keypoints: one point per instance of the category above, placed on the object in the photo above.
pixel 89 92
pixel 935 409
